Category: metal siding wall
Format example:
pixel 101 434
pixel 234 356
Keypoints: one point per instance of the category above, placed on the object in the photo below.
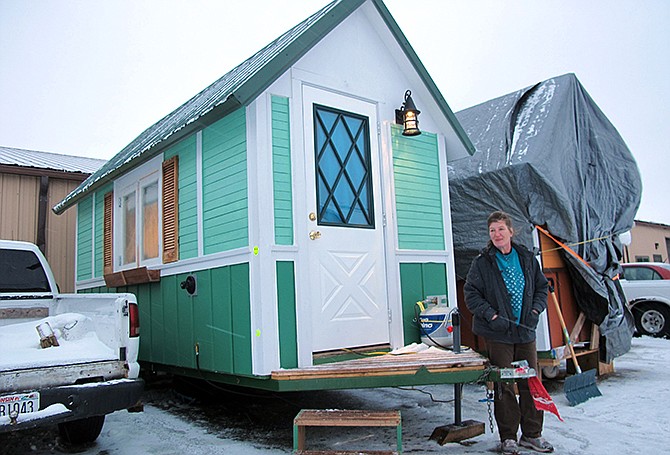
pixel 225 199
pixel 19 198
pixel 418 198
pixel 416 282
pixel 84 238
pixel 281 171
pixel 60 234
pixel 188 195
pixel 99 229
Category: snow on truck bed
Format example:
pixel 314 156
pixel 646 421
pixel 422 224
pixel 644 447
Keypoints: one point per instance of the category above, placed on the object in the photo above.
pixel 77 339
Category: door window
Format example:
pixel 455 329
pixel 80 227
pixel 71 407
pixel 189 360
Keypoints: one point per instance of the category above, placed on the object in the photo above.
pixel 343 177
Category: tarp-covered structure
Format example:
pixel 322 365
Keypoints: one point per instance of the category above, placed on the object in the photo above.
pixel 548 156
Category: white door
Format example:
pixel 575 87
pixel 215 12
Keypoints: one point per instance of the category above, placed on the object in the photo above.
pixel 345 244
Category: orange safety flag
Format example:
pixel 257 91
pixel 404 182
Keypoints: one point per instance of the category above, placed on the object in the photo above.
pixel 541 397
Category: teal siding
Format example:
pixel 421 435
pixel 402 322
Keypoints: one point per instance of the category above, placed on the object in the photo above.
pixel 188 196
pixel 85 239
pixel 288 339
pixel 217 319
pixel 418 196
pixel 281 171
pixel 99 231
pixel 224 180
pixel 417 281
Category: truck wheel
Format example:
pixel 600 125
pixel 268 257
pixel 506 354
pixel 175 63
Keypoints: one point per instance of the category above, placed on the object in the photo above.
pixel 81 431
pixel 652 319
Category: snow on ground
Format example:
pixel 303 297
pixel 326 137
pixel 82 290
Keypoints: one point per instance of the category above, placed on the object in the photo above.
pixel 631 418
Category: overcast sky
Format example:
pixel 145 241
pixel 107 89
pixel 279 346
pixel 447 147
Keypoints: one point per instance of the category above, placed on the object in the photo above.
pixel 86 77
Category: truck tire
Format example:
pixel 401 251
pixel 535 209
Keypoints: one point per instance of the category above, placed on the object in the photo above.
pixel 81 431
pixel 652 319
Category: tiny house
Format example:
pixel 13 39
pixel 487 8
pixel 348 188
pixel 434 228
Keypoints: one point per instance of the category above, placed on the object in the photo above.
pixel 281 215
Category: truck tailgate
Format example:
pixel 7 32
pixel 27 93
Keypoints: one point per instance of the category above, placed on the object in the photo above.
pixel 26 379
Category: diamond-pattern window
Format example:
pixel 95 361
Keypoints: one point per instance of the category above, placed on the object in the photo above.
pixel 342 156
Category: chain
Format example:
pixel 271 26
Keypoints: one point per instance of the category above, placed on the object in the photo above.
pixel 489 400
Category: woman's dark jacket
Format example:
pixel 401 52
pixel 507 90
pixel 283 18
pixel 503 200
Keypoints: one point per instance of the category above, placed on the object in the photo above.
pixel 487 295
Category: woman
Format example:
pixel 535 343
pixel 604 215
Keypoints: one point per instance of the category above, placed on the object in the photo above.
pixel 506 292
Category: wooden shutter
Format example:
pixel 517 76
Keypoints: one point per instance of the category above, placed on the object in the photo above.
pixel 107 229
pixel 170 210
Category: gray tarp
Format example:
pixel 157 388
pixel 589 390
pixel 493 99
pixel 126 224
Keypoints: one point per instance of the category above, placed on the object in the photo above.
pixel 548 156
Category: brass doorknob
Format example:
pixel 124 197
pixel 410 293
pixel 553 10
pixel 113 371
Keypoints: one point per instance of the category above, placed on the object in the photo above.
pixel 313 235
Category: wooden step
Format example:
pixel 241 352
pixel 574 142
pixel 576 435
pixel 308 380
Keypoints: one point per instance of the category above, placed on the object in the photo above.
pixel 346 452
pixel 344 418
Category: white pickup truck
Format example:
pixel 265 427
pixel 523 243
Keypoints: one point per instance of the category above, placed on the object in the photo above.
pixel 66 359
pixel 647 289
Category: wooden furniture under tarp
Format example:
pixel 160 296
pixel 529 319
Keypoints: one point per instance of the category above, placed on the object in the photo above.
pixel 584 335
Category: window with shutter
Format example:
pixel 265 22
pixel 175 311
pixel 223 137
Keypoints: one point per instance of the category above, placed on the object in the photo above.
pixel 108 226
pixel 132 222
pixel 170 210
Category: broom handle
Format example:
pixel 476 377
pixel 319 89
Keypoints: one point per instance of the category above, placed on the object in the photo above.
pixel 565 330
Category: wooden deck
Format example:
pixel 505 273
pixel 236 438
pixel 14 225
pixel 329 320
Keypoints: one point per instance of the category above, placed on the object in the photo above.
pixel 431 361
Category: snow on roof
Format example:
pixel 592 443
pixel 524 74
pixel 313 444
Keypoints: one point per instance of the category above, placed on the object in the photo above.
pixel 45 160
pixel 243 83
pixel 226 91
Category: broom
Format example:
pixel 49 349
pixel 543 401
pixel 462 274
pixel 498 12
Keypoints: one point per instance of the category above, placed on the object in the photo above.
pixel 581 386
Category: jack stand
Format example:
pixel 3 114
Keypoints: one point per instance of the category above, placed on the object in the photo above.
pixel 459 430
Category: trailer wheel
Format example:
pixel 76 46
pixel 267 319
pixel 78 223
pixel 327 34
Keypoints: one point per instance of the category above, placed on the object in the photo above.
pixel 551 372
pixel 81 431
pixel 652 319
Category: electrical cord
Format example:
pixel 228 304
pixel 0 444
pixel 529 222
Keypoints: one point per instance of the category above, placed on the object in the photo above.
pixel 432 398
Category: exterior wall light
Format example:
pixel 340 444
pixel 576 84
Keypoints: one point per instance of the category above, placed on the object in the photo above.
pixel 408 116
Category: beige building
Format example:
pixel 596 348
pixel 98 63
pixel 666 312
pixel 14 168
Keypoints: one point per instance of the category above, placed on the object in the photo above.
pixel 31 183
pixel 650 242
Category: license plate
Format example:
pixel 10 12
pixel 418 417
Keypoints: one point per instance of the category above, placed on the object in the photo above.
pixel 20 403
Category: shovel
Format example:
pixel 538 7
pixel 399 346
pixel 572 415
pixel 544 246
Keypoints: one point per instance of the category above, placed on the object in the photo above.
pixel 581 386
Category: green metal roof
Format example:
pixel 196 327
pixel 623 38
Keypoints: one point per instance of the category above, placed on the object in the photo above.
pixel 242 85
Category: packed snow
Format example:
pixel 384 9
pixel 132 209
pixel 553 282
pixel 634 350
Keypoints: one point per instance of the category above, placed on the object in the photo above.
pixel 630 417
pixel 76 336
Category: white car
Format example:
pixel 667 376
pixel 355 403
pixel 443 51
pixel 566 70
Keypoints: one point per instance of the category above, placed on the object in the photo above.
pixel 647 289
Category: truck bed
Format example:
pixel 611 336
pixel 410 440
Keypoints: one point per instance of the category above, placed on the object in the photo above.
pixel 77 339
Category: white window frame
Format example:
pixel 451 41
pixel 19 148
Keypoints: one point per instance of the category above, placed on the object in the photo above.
pixel 136 180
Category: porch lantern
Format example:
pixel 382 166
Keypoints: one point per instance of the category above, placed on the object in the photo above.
pixel 408 116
